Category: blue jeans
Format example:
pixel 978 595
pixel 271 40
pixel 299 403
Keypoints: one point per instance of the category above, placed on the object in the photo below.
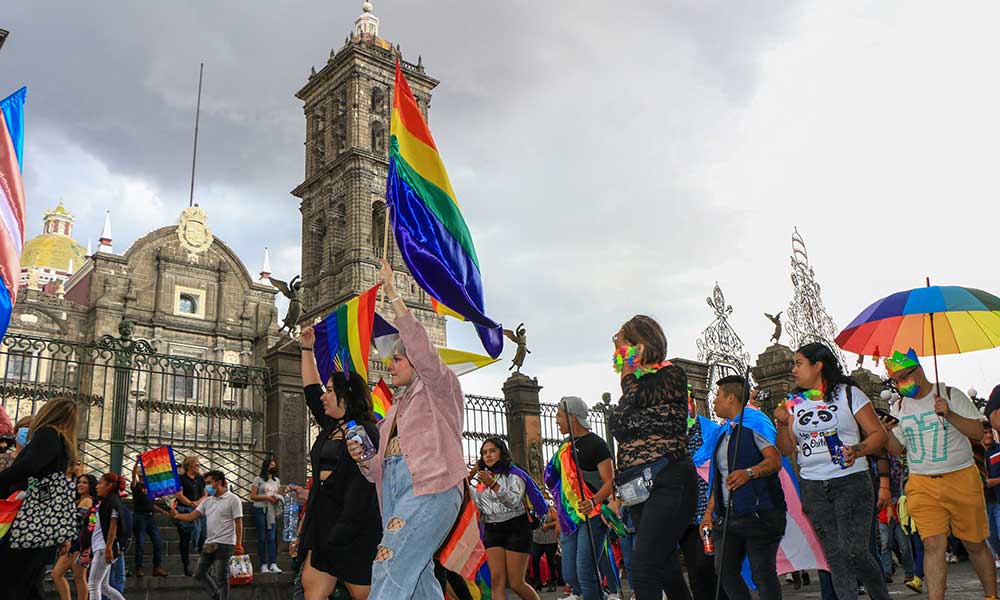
pixel 267 545
pixel 892 532
pixel 578 559
pixel 145 524
pixel 117 579
pixel 414 528
pixel 191 534
pixel 993 514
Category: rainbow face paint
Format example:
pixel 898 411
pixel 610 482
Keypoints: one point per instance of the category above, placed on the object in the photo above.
pixel 908 388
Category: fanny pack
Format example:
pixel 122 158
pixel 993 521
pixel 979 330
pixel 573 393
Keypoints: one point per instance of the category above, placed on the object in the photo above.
pixel 634 484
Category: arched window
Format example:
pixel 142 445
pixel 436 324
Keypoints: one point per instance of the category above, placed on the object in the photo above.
pixel 188 304
pixel 378 229
pixel 378 138
pixel 378 100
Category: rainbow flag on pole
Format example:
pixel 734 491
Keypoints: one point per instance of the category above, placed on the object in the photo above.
pixel 159 472
pixel 344 337
pixel 431 233
pixel 381 399
pixel 11 201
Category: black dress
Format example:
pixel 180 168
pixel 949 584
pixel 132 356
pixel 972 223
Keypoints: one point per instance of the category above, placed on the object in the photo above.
pixel 343 524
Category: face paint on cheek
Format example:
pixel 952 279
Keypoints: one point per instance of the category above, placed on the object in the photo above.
pixel 908 388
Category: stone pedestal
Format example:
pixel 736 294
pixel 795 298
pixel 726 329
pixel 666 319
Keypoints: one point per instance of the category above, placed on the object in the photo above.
pixel 285 415
pixel 773 374
pixel 697 373
pixel 872 385
pixel 524 425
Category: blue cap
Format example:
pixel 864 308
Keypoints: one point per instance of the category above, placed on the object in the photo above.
pixel 351 424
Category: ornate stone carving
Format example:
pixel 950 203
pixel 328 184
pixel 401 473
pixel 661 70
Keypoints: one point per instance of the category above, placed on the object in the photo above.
pixel 193 231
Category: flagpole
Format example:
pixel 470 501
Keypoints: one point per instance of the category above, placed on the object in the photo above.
pixel 194 153
pixel 937 378
pixel 385 253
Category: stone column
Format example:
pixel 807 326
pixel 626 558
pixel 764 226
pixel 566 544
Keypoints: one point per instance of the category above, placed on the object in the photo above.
pixel 773 374
pixel 872 385
pixel 287 427
pixel 524 424
pixel 697 373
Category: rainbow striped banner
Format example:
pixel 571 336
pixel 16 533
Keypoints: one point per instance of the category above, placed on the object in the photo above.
pixel 431 232
pixel 11 201
pixel 159 472
pixel 344 337
pixel 381 399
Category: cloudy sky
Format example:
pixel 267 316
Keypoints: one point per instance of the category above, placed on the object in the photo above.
pixel 610 158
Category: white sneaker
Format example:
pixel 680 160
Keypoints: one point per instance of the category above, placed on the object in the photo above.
pixel 274 568
pixel 571 597
pixel 614 597
pixel 265 568
pixel 996 563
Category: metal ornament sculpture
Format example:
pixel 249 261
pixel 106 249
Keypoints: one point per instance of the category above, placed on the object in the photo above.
pixel 720 346
pixel 808 320
pixel 776 319
pixel 519 337
pixel 290 290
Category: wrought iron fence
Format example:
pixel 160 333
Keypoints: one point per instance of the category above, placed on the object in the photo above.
pixel 552 439
pixel 132 398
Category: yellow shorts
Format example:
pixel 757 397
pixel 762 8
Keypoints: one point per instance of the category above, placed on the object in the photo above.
pixel 951 502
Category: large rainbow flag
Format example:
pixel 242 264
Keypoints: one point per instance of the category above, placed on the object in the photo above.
pixel 159 472
pixel 11 201
pixel 430 230
pixel 344 337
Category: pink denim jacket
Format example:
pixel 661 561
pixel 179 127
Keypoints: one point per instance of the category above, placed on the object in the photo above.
pixel 429 419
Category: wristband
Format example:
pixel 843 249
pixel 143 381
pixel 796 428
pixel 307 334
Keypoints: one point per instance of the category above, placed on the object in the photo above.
pixel 306 348
pixel 396 299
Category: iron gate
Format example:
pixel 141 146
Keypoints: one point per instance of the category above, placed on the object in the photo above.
pixel 132 399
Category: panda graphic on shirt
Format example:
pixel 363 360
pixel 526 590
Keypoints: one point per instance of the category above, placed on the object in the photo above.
pixel 812 420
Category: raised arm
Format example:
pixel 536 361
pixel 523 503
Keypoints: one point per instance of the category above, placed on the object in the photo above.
pixel 419 350
pixel 310 372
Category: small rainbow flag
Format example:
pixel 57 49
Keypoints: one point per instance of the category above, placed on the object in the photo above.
pixel 8 511
pixel 159 472
pixel 344 337
pixel 381 399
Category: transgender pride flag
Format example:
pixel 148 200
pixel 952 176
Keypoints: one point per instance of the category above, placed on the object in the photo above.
pixel 799 549
pixel 11 201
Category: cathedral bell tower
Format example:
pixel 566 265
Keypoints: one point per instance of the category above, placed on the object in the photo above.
pixel 347 106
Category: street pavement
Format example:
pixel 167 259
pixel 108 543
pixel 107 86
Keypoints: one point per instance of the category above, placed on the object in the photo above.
pixel 962 585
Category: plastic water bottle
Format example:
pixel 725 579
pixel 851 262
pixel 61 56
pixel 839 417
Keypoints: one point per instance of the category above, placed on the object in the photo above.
pixel 357 433
pixel 291 516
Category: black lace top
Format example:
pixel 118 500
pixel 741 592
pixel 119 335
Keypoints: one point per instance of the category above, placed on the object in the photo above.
pixel 650 420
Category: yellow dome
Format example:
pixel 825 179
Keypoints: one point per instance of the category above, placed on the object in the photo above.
pixel 53 251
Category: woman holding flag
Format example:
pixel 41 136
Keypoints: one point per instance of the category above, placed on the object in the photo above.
pixel 500 494
pixel 418 470
pixel 342 528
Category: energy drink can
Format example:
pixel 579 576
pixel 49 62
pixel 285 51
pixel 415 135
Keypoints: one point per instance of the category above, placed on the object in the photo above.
pixel 836 448
pixel 706 539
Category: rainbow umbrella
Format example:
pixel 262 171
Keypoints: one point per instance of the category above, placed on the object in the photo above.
pixel 932 320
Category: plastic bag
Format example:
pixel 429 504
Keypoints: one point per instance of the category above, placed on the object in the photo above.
pixel 240 570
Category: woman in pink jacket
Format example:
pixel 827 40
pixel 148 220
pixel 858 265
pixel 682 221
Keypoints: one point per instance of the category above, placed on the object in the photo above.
pixel 418 470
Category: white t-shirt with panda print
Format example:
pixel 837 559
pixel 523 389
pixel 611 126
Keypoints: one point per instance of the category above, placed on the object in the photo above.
pixel 810 420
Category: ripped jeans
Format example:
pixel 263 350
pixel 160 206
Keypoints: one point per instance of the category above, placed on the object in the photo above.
pixel 414 528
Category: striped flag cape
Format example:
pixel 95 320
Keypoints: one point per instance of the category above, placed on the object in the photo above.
pixel 430 231
pixel 11 201
pixel 463 551
pixel 799 549
pixel 381 399
pixel 384 338
pixel 344 337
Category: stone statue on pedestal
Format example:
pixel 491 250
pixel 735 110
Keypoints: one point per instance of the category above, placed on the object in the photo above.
pixel 291 291
pixel 520 338
pixel 776 319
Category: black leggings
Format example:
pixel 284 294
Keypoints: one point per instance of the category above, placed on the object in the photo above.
pixel 555 566
pixel 660 523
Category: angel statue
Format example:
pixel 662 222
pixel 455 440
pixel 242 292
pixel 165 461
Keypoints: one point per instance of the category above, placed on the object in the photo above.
pixel 776 319
pixel 519 337
pixel 291 291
